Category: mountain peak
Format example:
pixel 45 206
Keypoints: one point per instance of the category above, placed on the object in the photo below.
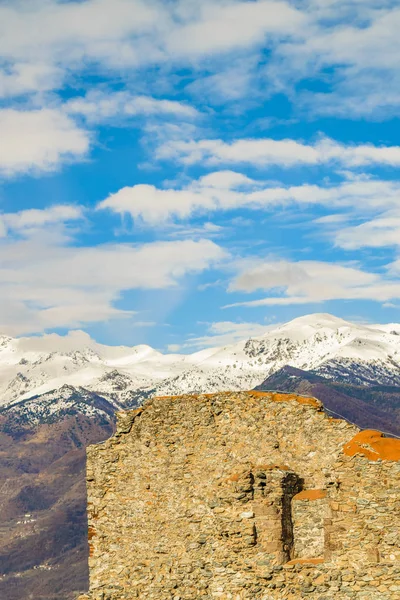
pixel 318 321
pixel 34 366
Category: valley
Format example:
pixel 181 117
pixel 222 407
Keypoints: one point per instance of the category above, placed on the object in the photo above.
pixel 60 394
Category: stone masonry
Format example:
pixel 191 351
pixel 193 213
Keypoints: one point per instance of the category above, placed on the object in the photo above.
pixel 243 495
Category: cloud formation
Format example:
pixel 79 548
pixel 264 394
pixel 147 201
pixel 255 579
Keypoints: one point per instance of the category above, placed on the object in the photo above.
pixel 229 190
pixel 39 140
pixel 350 45
pixel 308 282
pixel 224 333
pixel 223 27
pixel 220 109
pixel 285 153
pixel 71 32
pixel 242 50
pixel 375 233
pixel 99 106
pixel 27 222
pixel 46 281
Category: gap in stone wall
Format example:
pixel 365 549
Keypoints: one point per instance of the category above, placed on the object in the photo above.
pixel 292 484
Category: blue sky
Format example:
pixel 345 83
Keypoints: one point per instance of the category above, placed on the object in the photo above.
pixel 186 173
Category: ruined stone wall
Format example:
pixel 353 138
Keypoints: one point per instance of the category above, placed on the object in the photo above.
pixel 243 495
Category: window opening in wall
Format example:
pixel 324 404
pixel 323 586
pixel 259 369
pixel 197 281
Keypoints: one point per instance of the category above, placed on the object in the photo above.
pixel 291 486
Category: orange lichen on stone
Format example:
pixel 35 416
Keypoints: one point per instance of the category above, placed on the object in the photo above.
pixel 91 532
pixel 192 394
pixel 217 492
pixel 373 445
pixel 310 495
pixel 308 401
pixel 306 561
pixel 274 396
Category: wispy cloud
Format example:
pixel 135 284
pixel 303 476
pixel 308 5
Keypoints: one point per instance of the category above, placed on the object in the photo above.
pixel 24 78
pixel 101 106
pixel 73 32
pixel 223 27
pixel 308 282
pixel 285 153
pixel 46 42
pixel 223 333
pixel 187 84
pixel 228 190
pixel 382 231
pixel 28 222
pixel 48 281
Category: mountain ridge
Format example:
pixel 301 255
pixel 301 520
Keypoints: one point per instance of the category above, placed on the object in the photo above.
pixel 372 407
pixel 61 393
pixel 125 376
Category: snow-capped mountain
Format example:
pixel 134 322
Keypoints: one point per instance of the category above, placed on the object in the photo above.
pixel 337 349
pixel 53 406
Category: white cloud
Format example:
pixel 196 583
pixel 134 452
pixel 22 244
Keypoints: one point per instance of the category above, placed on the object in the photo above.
pixel 220 190
pixel 38 140
pixel 225 180
pixel 351 45
pixel 131 32
pixel 192 231
pixel 28 222
pixel 376 233
pixel 370 97
pixel 153 205
pixel 285 153
pixel 46 285
pixel 231 82
pixel 70 32
pixel 229 49
pixel 98 106
pixel 230 25
pixel 257 152
pixel 307 282
pixel 124 35
pixel 22 78
pixel 394 268
pixel 225 190
pixel 224 333
pixel 363 49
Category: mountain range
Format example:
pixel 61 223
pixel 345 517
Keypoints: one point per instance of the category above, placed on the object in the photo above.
pixel 75 365
pixel 60 393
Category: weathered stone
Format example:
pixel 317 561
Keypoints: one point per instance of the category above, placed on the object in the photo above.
pixel 247 515
pixel 191 502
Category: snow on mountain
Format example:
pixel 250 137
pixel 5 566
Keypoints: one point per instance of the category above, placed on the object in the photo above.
pixel 32 367
pixel 310 341
pixel 53 406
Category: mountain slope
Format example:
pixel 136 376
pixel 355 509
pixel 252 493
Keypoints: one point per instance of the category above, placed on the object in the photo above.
pixel 369 407
pixel 43 526
pixel 53 407
pixel 333 347
pixel 59 394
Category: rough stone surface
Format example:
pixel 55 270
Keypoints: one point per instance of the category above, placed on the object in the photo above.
pixel 243 495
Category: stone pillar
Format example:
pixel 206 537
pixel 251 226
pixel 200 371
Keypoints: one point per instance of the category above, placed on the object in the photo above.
pixel 273 493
